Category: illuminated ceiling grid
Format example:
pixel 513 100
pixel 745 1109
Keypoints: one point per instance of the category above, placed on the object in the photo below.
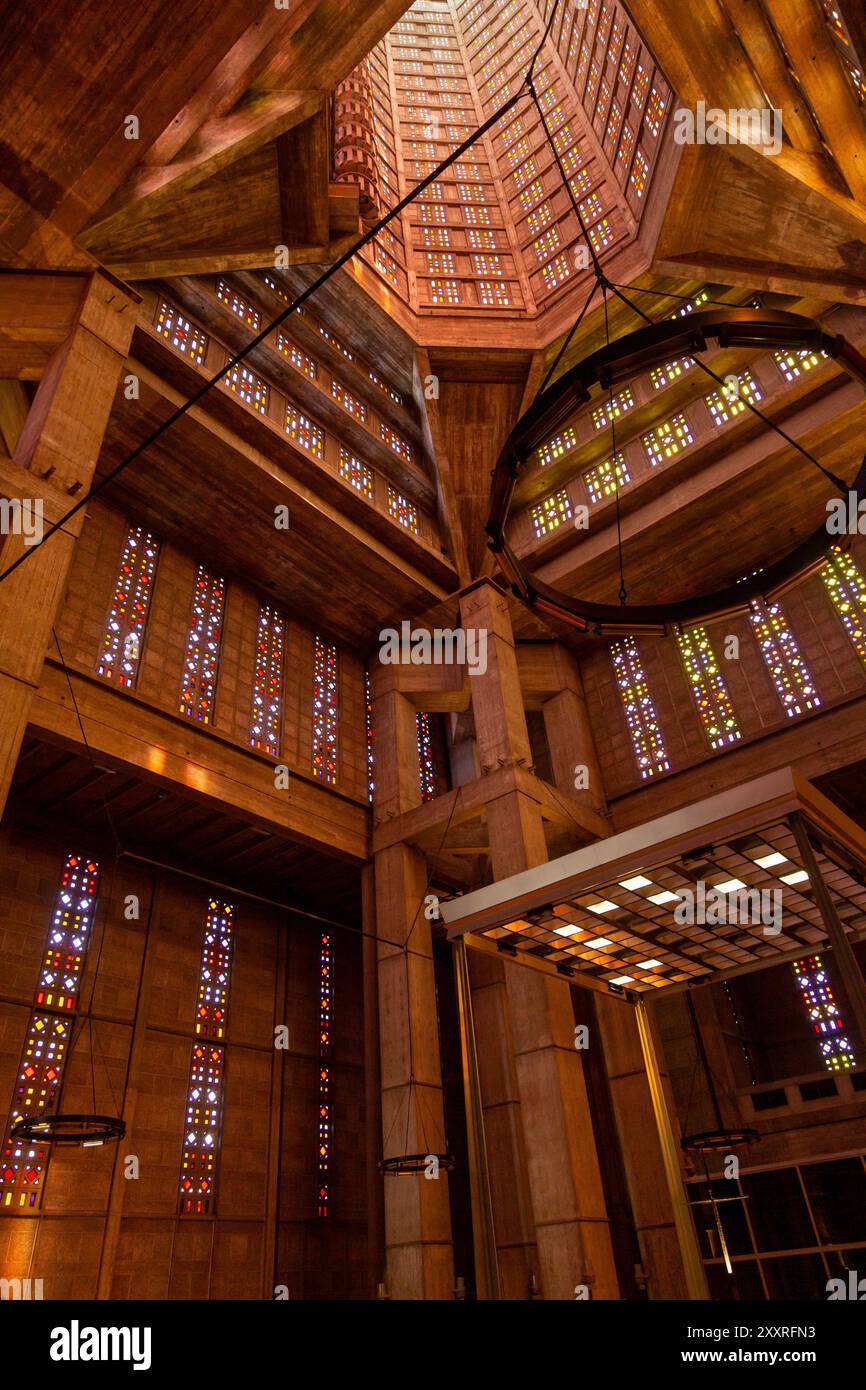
pixel 618 934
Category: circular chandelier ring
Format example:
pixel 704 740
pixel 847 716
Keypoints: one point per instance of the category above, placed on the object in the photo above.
pixel 69 1129
pixel 620 361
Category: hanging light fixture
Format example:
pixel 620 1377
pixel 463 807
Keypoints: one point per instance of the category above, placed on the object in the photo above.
pixel 619 361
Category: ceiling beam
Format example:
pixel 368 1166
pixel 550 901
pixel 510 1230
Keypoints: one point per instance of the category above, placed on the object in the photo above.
pixel 807 38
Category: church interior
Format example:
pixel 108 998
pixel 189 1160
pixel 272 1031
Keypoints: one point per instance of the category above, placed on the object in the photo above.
pixel 433 650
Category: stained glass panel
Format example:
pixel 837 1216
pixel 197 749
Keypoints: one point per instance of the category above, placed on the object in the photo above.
pixel 183 335
pixel 823 1013
pixel 356 473
pixel 124 634
pixel 551 513
pixel 238 305
pixel 267 715
pixel 202 648
pixel 325 712
pixel 426 763
pixel 48 1033
pixel 643 725
pixel 847 589
pixel 323 1193
pixel 402 510
pixel 207 1066
pixel 791 675
pixel 708 688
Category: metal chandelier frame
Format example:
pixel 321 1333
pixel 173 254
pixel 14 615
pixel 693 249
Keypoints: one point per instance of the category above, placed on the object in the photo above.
pixel 620 361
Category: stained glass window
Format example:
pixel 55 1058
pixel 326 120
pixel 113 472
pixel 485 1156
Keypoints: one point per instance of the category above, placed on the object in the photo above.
pixel 331 338
pixel 426 763
pixel 551 513
pixel 643 725
pixel 604 479
pixel 124 633
pixel 212 1005
pixel 667 439
pixel 182 334
pixel 723 405
pixel 304 364
pixel 402 510
pixel 708 688
pixel 847 589
pixel 202 648
pixel 267 715
pixel 325 1127
pixel 325 712
pixel 304 432
pixel 368 719
pixel 793 362
pixel 40 1073
pixel 670 371
pixel 207 1066
pixel 779 649
pixel 251 388
pixel 238 304
pixel 444 291
pixel 612 408
pixel 493 294
pixel 277 289
pixel 692 305
pixel 353 471
pixel 555 272
pixel 560 444
pixel 639 173
pixel 823 1013
pixel 350 403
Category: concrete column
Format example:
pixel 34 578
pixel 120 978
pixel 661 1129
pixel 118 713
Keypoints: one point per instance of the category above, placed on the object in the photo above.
pixel 54 462
pixel 418 1246
pixel 639 1144
pixel 570 739
pixel 541 1084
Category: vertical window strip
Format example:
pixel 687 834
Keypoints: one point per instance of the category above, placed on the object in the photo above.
pixel 708 688
pixel 823 1014
pixel 323 1193
pixel 267 714
pixel 124 633
pixel 426 762
pixel 202 648
pixel 325 712
pixel 40 1073
pixel 847 589
pixel 643 725
pixel 368 711
pixel 790 674
pixel 201 1140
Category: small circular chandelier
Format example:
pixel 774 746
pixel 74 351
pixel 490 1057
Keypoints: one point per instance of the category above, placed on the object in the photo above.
pixel 719 1140
pixel 413 1165
pixel 619 361
pixel 88 1131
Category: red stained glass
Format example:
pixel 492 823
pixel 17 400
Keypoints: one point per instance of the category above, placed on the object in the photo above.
pixel 207 1067
pixel 124 634
pixel 202 649
pixel 41 1069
